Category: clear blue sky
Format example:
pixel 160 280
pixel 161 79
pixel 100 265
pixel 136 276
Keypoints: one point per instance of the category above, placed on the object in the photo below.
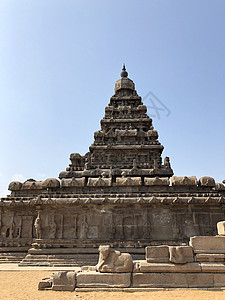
pixel 59 61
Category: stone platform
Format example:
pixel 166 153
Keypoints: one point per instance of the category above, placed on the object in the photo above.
pixel 199 265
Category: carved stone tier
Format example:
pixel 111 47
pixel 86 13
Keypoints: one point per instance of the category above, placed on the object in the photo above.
pixel 126 138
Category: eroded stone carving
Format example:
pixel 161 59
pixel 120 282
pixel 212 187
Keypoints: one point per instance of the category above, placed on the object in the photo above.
pixel 99 182
pixel 84 228
pixel 157 181
pixel 128 181
pixel 37 225
pixel 181 254
pixel 52 229
pixel 59 281
pixel 15 186
pixel 72 182
pixel 113 261
pixel 51 183
pixel 206 181
pixel 189 181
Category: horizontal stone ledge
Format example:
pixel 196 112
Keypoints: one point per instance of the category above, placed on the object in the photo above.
pixel 210 257
pixel 127 147
pixel 208 244
pixel 146 267
pixel 15 249
pixel 95 279
pixel 146 289
pixel 112 201
pixel 213 267
pixel 173 280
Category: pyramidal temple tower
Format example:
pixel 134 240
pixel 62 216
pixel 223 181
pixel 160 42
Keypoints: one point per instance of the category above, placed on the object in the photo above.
pixel 120 193
pixel 126 145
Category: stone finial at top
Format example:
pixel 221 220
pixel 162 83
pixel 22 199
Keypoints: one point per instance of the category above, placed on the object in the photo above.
pixel 124 72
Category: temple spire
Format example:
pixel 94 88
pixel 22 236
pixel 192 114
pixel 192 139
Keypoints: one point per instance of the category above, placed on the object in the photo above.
pixel 124 72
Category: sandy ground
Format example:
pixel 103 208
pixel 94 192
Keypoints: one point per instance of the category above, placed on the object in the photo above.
pixel 22 285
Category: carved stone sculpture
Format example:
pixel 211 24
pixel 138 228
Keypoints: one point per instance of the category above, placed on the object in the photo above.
pixel 52 229
pixel 188 181
pixel 113 261
pixel 59 281
pixel 37 225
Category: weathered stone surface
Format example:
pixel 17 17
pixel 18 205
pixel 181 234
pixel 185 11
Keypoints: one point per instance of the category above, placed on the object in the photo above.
pixel 157 181
pixel 221 228
pixel 159 280
pixel 213 267
pixel 208 244
pixel 219 187
pixel 174 280
pixel 136 267
pixel 219 280
pixel 157 253
pixel 32 185
pixel 206 257
pixel 207 181
pixel 200 280
pixel 96 279
pixel 51 183
pixel 99 182
pixel 15 186
pixel 72 182
pixel 187 181
pixel 181 254
pixel 45 283
pixel 146 267
pixel 113 261
pixel 63 281
pixel 128 181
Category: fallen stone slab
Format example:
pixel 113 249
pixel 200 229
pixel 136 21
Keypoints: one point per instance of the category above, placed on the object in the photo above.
pixel 158 254
pixel 181 254
pixel 96 279
pixel 64 281
pixel 208 244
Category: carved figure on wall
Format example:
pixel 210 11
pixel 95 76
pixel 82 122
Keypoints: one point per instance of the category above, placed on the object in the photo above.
pixel 146 227
pixel 37 225
pixel 112 229
pixel 84 228
pixel 19 228
pixel 52 229
pixel 167 162
pixel 11 229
